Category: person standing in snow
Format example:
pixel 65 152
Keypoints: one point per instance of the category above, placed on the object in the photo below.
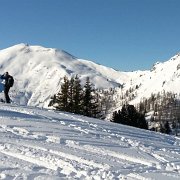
pixel 9 81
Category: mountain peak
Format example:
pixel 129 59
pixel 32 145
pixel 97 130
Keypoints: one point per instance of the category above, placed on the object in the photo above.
pixel 39 72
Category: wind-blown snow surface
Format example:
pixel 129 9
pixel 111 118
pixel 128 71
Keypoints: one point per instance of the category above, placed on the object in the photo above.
pixel 42 144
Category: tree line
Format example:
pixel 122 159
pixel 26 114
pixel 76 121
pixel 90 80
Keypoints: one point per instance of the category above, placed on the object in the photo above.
pixel 88 101
pixel 128 115
pixel 161 110
pixel 75 98
pixel 164 112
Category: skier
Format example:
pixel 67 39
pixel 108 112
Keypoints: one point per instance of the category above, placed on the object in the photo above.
pixel 9 81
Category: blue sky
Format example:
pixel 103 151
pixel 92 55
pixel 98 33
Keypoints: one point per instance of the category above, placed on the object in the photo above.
pixel 123 34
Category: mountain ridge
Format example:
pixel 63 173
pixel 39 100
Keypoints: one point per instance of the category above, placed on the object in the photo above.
pixel 39 72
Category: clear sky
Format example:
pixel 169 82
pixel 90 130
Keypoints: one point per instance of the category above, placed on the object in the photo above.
pixel 123 34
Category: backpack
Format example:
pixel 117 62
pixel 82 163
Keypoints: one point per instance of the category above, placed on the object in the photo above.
pixel 10 81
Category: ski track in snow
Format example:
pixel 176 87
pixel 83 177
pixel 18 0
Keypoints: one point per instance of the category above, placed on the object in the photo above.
pixel 42 144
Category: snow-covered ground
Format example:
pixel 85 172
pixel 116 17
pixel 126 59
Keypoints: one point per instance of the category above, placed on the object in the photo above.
pixel 42 144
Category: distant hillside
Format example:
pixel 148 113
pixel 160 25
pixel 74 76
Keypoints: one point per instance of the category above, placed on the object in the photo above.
pixel 162 77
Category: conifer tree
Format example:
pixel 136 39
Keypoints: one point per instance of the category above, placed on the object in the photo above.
pixel 96 112
pixel 52 101
pixel 117 117
pixel 77 96
pixel 167 127
pixel 91 104
pixel 87 98
pixel 141 121
pixel 62 96
pixel 161 128
pixel 71 95
pixel 129 116
pixel 72 98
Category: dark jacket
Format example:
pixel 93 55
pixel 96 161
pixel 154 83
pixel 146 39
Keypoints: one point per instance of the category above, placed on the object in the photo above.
pixel 5 77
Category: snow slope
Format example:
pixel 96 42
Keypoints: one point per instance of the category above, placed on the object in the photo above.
pixel 42 144
pixel 162 77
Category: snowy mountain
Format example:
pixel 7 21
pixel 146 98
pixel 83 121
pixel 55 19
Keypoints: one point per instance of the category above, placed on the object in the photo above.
pixel 162 77
pixel 39 72
pixel 42 144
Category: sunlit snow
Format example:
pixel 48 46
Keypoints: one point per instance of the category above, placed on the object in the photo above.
pixel 39 72
pixel 42 144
